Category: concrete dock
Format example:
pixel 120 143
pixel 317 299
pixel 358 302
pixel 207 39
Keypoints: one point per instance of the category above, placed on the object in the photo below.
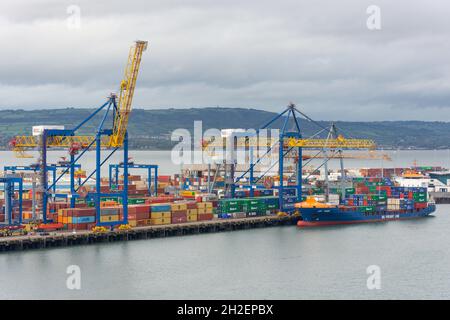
pixel 67 238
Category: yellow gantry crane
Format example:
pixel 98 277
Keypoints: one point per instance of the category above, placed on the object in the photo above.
pixel 111 137
pixel 127 87
pixel 337 143
pixel 121 115
pixel 284 143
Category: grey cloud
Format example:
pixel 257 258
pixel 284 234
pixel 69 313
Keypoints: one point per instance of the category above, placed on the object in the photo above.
pixel 259 54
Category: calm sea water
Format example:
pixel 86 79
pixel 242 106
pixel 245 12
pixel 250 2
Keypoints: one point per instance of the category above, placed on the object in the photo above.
pixel 273 263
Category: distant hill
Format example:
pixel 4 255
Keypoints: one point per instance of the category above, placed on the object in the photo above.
pixel 151 129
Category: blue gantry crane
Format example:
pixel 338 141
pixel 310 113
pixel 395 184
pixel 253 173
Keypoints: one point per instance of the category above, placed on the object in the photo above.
pixel 287 141
pixel 118 108
pixel 152 175
pixel 10 183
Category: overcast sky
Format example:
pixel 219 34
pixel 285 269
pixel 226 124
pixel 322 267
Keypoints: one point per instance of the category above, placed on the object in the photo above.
pixel 261 54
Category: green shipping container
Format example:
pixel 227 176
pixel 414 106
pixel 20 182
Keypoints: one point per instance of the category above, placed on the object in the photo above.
pixel 136 201
pixel 367 209
pixel 350 191
pixel 232 209
pixel 420 197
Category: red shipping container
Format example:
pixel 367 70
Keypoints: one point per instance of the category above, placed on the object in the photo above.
pixel 77 226
pixel 180 219
pixel 81 212
pixel 204 216
pixel 164 178
pixel 139 208
pixel 136 216
pixel 141 223
pixel 420 205
pixel 179 214
pixel 191 205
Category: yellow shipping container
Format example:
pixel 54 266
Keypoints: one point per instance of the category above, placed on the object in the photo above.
pixel 186 193
pixel 159 221
pixel 132 223
pixel 105 204
pixel 192 217
pixel 159 215
pixel 192 211
pixel 178 206
pixel 208 204
pixel 209 210
pixel 109 217
pixel 200 205
pixel 204 205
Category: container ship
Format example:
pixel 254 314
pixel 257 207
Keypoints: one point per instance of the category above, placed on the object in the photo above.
pixel 371 200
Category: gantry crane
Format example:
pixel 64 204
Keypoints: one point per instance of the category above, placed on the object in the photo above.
pixel 122 109
pixel 104 138
pixel 286 142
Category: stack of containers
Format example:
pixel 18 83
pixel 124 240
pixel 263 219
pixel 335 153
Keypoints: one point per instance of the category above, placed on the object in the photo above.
pixel 228 207
pixel 247 207
pixel 109 214
pixel 420 198
pixel 163 182
pixel 252 206
pixel 161 199
pixel 205 211
pixel 192 211
pixel 77 218
pixel 289 197
pixel 179 212
pixel 393 204
pixel 160 214
pixel 138 215
pixel 381 195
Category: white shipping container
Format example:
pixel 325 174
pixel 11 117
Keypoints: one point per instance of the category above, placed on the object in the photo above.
pixel 38 130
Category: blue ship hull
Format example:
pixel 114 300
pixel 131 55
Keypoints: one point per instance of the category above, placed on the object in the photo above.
pixel 332 216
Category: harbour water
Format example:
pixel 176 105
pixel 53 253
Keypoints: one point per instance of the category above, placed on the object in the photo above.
pixel 274 263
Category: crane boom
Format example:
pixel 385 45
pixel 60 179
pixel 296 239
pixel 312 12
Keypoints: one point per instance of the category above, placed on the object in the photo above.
pixel 126 93
pixel 21 142
pixel 338 143
pixel 121 113
pixel 313 143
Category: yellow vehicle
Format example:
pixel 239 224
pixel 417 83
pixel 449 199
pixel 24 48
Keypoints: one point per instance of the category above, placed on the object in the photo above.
pixel 98 229
pixel 124 227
